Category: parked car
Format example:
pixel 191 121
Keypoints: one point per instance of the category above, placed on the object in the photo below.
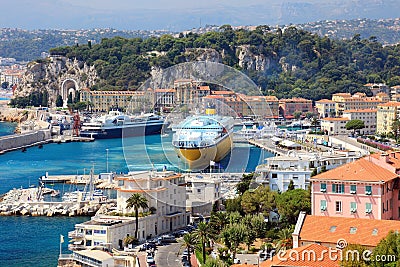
pixel 150 259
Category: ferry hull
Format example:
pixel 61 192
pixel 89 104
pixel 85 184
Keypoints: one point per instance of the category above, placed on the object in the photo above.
pixel 199 158
pixel 124 132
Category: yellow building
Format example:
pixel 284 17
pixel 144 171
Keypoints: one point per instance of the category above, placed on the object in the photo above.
pixel 346 101
pixel 386 115
pixel 325 108
pixel 132 101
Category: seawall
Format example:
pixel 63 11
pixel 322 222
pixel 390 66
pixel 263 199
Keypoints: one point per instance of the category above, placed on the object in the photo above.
pixel 20 141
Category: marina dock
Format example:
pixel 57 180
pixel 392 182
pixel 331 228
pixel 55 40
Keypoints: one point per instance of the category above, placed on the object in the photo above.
pixel 268 145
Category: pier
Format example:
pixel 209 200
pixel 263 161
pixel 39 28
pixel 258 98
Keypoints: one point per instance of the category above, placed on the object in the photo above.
pixel 269 145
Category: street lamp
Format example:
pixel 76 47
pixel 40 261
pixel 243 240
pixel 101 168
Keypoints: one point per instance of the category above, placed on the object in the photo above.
pixel 107 159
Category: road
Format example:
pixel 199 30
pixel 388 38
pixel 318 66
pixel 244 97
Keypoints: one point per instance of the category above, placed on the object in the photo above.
pixel 167 256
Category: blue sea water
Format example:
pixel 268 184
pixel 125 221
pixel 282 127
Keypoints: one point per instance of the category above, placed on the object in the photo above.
pixel 34 241
pixel 7 128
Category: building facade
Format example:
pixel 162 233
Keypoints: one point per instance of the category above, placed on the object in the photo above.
pixel 325 108
pixel 346 101
pixel 280 170
pixel 387 114
pixel 333 126
pixel 287 107
pixel 368 116
pixel 366 188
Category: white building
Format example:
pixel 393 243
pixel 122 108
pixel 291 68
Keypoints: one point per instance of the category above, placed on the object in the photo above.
pixel 280 170
pixel 166 195
pixel 202 191
pixel 95 258
pixel 368 116
pixel 334 126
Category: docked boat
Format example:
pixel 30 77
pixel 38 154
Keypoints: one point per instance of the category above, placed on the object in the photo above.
pixel 201 140
pixel 116 125
pixel 264 130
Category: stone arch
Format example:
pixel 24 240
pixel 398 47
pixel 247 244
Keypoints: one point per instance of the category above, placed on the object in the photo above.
pixel 68 86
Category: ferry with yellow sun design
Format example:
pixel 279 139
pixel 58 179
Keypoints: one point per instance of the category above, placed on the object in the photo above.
pixel 202 140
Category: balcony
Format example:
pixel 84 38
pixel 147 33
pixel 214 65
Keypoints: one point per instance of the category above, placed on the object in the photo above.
pixel 75 234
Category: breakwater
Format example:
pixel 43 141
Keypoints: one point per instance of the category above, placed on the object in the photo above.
pixel 20 141
pixel 23 202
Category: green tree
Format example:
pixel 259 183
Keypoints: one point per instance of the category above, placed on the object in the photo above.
pixel 291 185
pixel 137 201
pixel 297 114
pixel 290 203
pixel 389 246
pixel 130 240
pixel 260 200
pixel 352 256
pixel 203 234
pixel 244 184
pixel 59 101
pixel 5 85
pixel 217 221
pixel 189 242
pixel 355 125
pixel 70 99
pixel 233 235
pixel 396 128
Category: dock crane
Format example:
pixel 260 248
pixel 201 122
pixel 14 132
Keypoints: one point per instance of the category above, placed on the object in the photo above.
pixel 77 121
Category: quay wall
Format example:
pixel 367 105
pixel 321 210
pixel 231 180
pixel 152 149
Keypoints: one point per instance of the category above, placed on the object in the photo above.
pixel 17 141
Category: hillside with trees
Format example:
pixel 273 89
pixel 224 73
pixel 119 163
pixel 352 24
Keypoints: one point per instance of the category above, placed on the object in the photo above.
pixel 300 64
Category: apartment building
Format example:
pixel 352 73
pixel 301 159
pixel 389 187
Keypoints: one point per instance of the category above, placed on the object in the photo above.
pixel 325 108
pixel 368 116
pixel 287 107
pixel 366 188
pixel 166 195
pixel 386 114
pixel 346 101
pixel 377 88
pixel 103 101
pixel 202 192
pixel 334 126
pixel 280 170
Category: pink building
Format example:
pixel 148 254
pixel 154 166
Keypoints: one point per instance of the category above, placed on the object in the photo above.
pixel 365 188
pixel 287 107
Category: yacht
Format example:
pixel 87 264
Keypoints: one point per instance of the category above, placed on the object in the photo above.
pixel 202 140
pixel 116 125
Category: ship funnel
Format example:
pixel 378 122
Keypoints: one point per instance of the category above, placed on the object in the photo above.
pixel 210 110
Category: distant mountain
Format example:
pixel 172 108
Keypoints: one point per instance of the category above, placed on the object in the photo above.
pixel 179 15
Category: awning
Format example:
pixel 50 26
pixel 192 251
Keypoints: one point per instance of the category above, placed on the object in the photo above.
pixel 288 143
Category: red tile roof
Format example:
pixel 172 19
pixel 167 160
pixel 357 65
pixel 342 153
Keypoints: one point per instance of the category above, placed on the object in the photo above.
pixel 326 229
pixel 359 170
pixel 304 256
pixel 390 104
pixel 335 119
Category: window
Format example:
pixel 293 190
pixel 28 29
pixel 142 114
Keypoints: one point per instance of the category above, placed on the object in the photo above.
pixel 353 189
pixel 338 206
pixel 198 190
pixel 368 190
pixel 274 175
pixel 332 229
pixel 323 188
pixel 338 188
pixel 368 208
pixel 353 230
pixel 323 205
pixel 375 231
pixel 353 207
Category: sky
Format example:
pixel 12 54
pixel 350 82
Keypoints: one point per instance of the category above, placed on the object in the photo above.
pixel 181 15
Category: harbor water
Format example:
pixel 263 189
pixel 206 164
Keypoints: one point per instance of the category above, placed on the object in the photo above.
pixel 34 241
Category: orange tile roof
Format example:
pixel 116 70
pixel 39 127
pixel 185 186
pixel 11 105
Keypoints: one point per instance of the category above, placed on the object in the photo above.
pixel 165 90
pixel 215 96
pixel 393 158
pixel 304 256
pixel 223 92
pixel 359 110
pixel 206 88
pixel 368 233
pixel 359 170
pixel 325 101
pixel 335 119
pixel 390 104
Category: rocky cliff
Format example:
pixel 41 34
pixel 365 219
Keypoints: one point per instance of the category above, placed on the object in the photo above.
pixel 55 74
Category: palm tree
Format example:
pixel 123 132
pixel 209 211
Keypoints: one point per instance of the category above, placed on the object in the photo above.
pixel 137 201
pixel 202 234
pixel 189 241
